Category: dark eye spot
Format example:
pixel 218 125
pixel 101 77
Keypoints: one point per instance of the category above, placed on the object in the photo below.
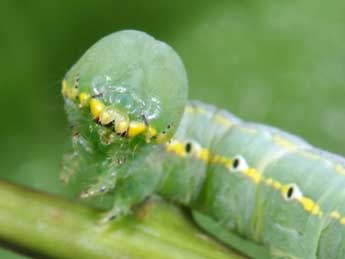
pixel 235 163
pixel 169 126
pixel 188 147
pixel 103 188
pixel 289 192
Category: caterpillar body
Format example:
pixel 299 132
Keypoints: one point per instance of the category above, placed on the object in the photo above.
pixel 262 183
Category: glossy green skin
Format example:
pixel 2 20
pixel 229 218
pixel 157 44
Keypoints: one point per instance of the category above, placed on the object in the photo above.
pixel 258 212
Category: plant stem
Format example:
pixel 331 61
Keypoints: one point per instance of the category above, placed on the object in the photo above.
pixel 59 228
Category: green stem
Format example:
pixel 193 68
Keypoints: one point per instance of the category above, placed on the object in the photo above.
pixel 56 227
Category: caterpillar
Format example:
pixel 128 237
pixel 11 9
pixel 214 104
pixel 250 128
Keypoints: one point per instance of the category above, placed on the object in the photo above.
pixel 265 185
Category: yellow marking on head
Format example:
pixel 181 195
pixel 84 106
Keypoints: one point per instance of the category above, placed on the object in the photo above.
pixel 72 93
pixel 222 120
pixel 121 126
pixel 152 132
pixel 96 107
pixel 136 128
pixel 84 99
pixel 162 138
pixel 283 142
pixel 107 115
pixel 64 89
pixel 335 215
pixel 340 169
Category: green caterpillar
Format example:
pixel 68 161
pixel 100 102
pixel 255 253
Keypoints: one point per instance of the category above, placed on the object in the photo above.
pixel 259 182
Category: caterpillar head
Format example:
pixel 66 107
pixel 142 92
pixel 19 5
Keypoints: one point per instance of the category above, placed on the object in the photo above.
pixel 127 77
pixel 127 90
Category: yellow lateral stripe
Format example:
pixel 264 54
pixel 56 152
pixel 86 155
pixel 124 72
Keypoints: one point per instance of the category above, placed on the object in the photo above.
pixel 204 155
pixel 176 147
pixel 310 206
pixel 279 140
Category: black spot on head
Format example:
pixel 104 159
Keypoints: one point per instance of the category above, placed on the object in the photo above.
pixel 103 189
pixel 289 192
pixel 235 163
pixel 169 126
pixel 188 147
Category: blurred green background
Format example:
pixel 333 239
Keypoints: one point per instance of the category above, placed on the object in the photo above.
pixel 276 62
